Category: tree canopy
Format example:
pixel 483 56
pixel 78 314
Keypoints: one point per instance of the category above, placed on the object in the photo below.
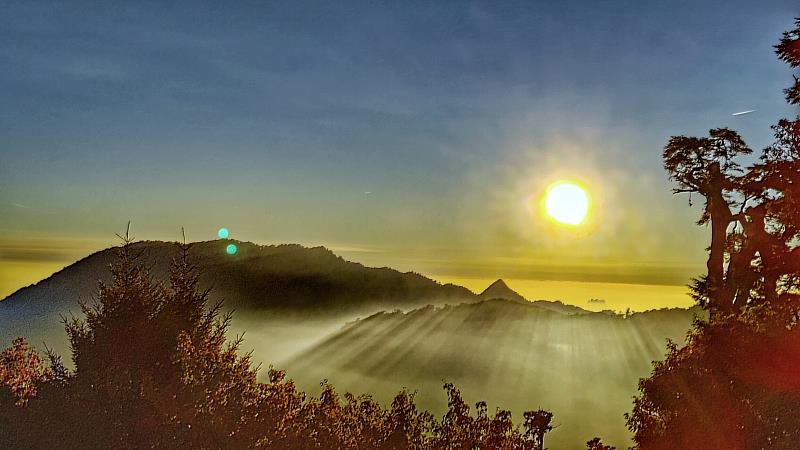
pixel 735 385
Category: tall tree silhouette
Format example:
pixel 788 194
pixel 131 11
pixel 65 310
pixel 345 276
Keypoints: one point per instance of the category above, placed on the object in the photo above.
pixel 754 216
pixel 708 166
pixel 735 384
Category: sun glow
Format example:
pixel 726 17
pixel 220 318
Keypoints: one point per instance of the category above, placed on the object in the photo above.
pixel 567 203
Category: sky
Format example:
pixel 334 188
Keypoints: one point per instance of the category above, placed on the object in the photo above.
pixel 274 119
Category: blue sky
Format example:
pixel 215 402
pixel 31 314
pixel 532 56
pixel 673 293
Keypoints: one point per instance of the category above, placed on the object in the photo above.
pixel 273 119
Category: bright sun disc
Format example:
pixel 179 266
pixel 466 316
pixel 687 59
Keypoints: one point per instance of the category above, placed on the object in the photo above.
pixel 567 203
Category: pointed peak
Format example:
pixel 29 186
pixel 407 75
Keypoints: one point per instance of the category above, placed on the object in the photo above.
pixel 499 289
pixel 498 283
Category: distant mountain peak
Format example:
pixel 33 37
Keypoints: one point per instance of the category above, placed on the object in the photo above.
pixel 499 289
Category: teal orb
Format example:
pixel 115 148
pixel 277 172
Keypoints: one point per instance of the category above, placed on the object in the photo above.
pixel 231 249
pixel 223 233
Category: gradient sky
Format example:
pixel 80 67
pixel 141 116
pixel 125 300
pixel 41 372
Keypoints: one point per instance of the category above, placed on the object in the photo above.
pixel 274 119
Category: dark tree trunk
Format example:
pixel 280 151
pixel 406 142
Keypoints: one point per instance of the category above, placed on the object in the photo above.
pixel 720 295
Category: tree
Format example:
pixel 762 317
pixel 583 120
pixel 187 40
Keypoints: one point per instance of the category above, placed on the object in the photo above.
pixel 754 215
pixel 154 368
pixel 22 370
pixel 788 50
pixel 596 444
pixel 537 424
pixel 708 166
pixel 735 384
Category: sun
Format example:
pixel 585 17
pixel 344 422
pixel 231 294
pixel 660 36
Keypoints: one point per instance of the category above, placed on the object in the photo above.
pixel 567 203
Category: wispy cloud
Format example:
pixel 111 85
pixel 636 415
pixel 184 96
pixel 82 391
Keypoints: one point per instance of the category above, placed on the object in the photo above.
pixel 48 250
pixel 353 249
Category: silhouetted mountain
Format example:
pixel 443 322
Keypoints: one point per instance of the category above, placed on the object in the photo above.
pixel 499 289
pixel 282 279
pixel 560 307
pixel 582 367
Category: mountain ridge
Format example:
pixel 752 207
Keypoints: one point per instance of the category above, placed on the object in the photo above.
pixel 285 279
pixel 516 354
pixel 244 250
pixel 499 289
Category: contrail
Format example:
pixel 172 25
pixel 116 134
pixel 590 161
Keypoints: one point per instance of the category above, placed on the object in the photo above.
pixel 741 113
pixel 35 210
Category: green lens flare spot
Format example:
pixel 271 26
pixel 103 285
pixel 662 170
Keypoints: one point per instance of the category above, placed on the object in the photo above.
pixel 231 249
pixel 223 233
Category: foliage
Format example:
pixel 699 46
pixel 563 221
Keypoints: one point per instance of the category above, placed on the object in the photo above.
pixel 154 369
pixel 733 386
pixel 21 371
pixel 788 50
pixel 597 444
